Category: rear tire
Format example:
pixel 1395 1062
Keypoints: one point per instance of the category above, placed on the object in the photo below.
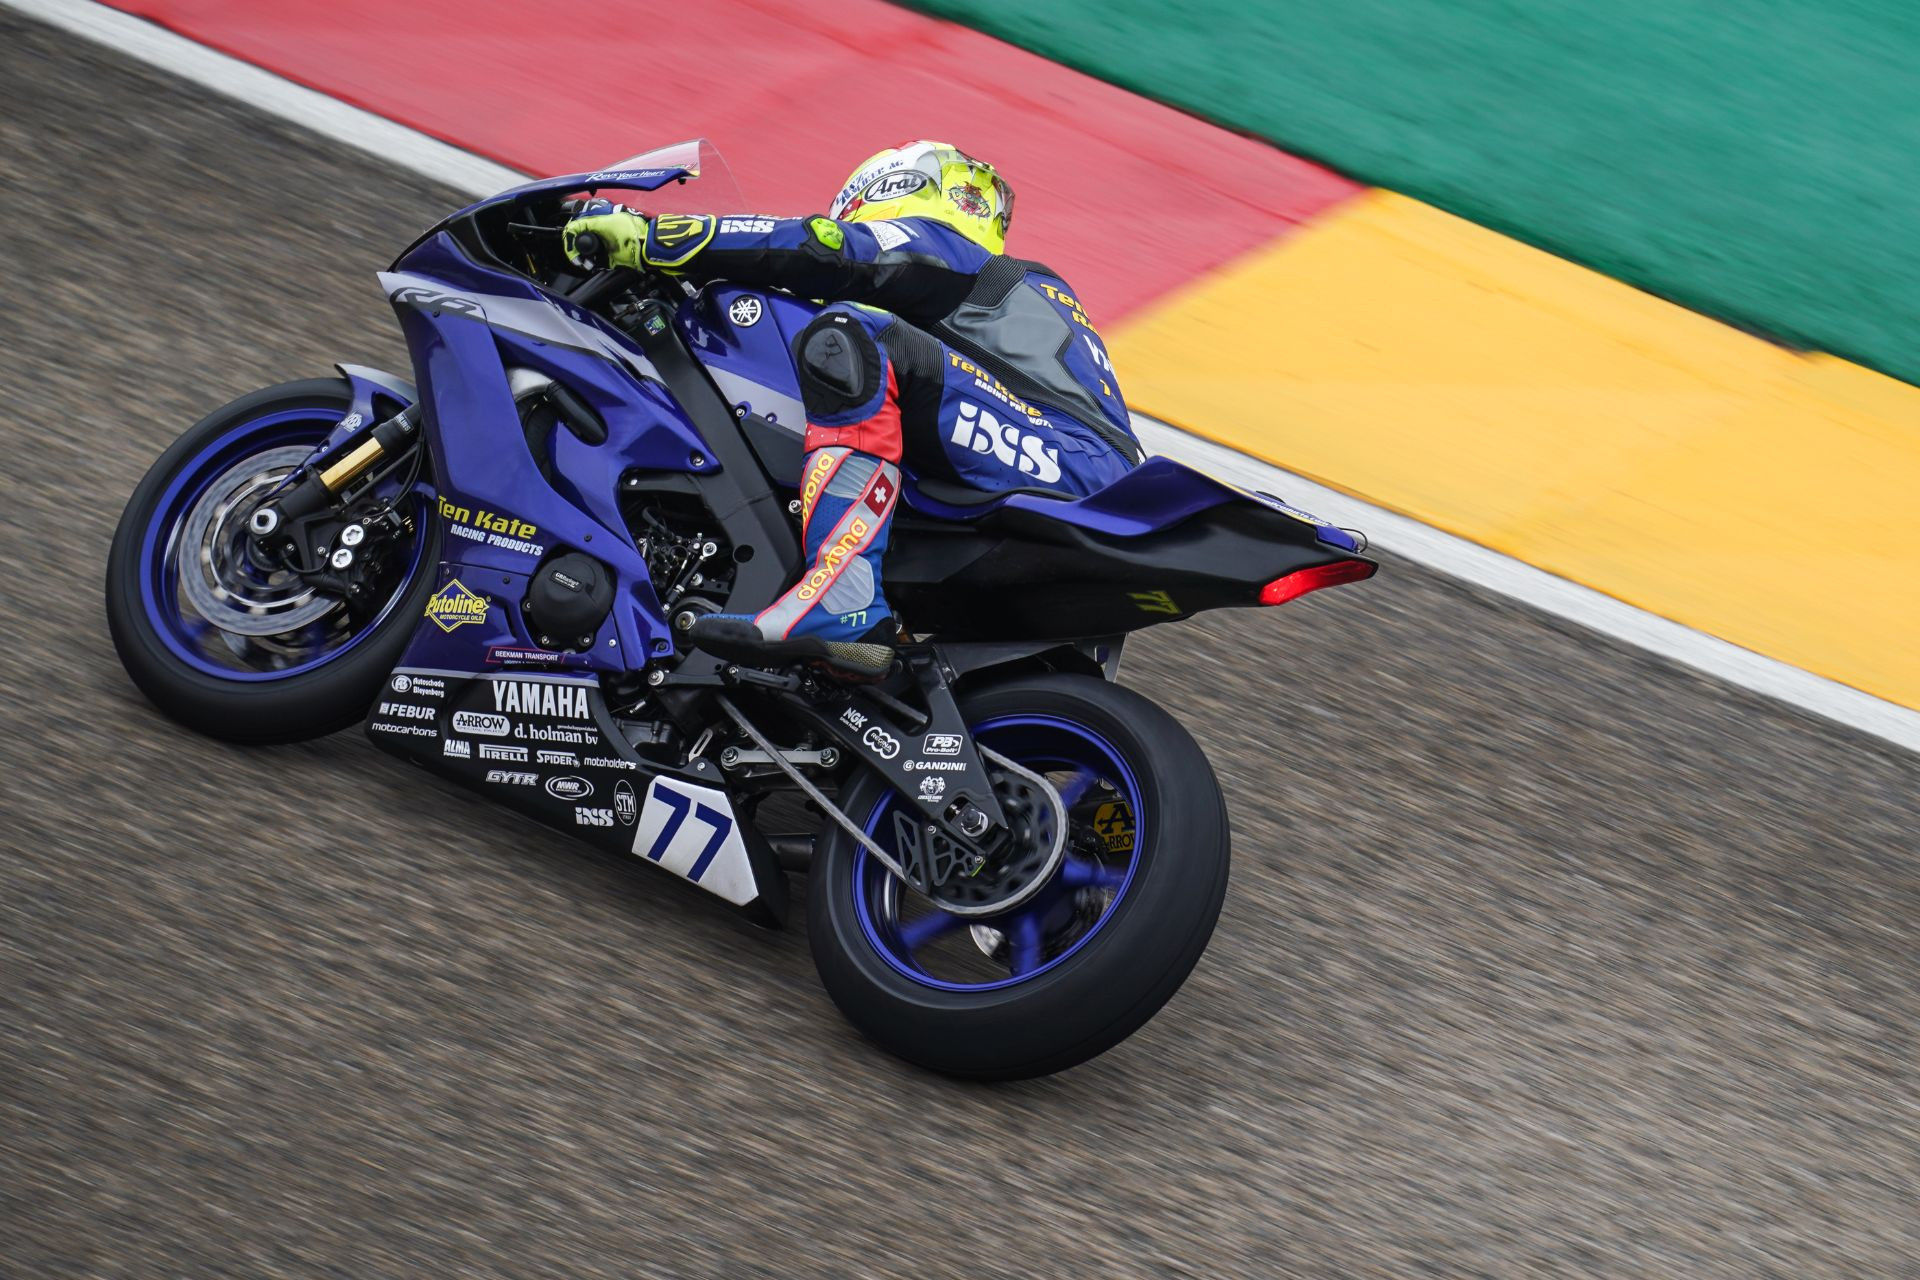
pixel 1113 980
pixel 277 708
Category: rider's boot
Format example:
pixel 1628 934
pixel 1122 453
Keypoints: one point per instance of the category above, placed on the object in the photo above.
pixel 835 616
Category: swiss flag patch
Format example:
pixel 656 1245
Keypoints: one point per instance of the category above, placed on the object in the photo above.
pixel 880 494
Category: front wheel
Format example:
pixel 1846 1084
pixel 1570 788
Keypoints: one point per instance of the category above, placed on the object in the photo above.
pixel 234 647
pixel 1082 964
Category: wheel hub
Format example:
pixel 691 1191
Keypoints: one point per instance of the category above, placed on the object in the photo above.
pixel 212 554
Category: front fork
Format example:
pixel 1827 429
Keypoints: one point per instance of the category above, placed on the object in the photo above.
pixel 305 526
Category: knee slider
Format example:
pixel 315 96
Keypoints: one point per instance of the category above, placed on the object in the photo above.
pixel 840 365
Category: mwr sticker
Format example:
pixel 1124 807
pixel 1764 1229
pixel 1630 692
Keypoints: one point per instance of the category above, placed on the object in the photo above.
pixel 455 606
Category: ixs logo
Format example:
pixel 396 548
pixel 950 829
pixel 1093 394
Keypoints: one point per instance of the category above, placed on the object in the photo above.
pixel 941 744
pixel 512 777
pixel 836 555
pixel 481 723
pixel 569 788
pixel 880 742
pixel 542 698
pixel 977 429
pixel 455 606
pixel 583 817
pixel 494 751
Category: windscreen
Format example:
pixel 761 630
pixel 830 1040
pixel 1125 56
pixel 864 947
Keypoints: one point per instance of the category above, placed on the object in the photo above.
pixel 706 185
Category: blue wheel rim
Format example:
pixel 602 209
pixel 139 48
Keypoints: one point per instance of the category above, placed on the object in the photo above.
pixel 1033 937
pixel 184 633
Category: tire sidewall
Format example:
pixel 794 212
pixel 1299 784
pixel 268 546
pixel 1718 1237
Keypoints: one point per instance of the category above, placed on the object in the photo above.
pixel 1118 977
pixel 310 704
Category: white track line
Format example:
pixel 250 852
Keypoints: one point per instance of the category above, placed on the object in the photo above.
pixel 1456 557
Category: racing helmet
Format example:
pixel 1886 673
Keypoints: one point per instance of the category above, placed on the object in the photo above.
pixel 930 180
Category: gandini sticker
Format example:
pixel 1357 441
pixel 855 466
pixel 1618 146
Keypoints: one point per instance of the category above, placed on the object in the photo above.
pixel 455 606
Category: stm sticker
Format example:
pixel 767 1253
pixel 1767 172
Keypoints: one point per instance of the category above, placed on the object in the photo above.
pixel 455 606
pixel 746 310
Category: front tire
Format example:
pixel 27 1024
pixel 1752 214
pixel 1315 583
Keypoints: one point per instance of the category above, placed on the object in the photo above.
pixel 320 674
pixel 1085 963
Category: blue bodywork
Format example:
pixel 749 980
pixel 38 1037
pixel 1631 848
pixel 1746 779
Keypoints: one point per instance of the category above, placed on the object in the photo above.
pixel 472 327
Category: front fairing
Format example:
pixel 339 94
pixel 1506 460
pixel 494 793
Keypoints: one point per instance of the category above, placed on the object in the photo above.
pixel 468 324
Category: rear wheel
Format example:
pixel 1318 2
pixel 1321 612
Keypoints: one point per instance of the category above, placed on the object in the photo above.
pixel 226 645
pixel 1084 962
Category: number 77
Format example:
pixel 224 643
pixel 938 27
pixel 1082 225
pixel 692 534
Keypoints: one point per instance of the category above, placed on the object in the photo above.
pixel 679 807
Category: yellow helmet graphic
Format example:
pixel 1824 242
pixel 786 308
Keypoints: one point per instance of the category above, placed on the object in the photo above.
pixel 930 180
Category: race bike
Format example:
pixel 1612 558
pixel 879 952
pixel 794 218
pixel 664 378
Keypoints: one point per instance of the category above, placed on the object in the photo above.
pixel 1015 861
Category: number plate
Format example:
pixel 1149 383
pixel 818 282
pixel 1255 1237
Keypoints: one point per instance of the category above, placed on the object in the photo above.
pixel 691 832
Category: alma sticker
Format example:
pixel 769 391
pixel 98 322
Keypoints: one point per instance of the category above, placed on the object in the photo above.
pixel 455 606
pixel 746 310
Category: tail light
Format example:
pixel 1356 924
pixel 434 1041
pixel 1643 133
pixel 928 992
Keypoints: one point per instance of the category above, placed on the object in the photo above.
pixel 1300 581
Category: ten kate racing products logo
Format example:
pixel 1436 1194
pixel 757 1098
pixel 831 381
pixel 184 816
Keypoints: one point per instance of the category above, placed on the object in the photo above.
pixel 745 311
pixel 941 744
pixel 418 686
pixel 977 429
pixel 584 817
pixel 626 806
pixel 479 722
pixel 506 532
pixel 455 606
pixel 1068 301
pixel 512 777
pixel 407 711
pixel 569 787
pixel 496 751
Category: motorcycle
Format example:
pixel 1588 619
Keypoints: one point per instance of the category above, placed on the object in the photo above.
pixel 1014 860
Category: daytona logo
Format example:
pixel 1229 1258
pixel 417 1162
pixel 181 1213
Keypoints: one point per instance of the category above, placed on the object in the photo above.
pixel 542 698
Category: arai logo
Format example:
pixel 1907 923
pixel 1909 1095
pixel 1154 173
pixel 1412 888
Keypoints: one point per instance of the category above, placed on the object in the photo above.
pixel 894 186
pixel 569 787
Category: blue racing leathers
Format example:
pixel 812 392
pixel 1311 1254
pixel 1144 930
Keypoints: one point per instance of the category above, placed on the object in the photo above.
pixel 982 369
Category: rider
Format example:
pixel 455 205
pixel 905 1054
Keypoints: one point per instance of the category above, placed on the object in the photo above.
pixel 980 368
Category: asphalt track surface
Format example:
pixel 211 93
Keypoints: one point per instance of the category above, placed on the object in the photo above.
pixel 1542 956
